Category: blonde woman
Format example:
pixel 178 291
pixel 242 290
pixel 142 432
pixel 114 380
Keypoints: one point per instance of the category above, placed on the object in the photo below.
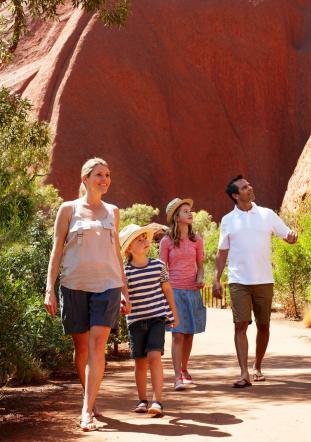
pixel 86 247
pixel 182 251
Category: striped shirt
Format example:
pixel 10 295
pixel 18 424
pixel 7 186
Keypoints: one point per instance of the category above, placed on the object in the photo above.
pixel 145 291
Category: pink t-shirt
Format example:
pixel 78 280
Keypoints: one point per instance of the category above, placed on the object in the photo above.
pixel 182 261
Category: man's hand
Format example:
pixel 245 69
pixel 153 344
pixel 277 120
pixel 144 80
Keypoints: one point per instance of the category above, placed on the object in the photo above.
pixel 217 290
pixel 291 237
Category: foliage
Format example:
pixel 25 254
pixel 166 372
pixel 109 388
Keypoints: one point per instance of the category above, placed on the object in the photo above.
pixel 16 15
pixel 209 231
pixel 31 343
pixel 24 156
pixel 292 264
pixel 140 214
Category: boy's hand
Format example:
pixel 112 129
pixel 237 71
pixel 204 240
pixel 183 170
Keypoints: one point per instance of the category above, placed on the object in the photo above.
pixel 125 307
pixel 174 324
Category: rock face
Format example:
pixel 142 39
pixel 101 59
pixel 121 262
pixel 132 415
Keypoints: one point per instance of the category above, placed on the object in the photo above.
pixel 188 95
pixel 299 186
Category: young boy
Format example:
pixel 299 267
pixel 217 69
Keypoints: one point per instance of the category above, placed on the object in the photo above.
pixel 153 306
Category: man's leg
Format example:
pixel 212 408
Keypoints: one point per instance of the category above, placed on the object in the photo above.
pixel 262 301
pixel 241 346
pixel 241 303
pixel 262 340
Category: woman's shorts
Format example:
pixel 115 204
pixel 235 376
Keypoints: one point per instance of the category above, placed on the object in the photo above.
pixel 191 312
pixel 146 335
pixel 82 310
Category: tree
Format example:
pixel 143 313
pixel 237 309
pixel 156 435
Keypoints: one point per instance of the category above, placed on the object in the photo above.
pixel 24 157
pixel 15 16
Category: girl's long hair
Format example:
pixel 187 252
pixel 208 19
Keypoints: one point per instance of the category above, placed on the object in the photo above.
pixel 174 231
pixel 86 170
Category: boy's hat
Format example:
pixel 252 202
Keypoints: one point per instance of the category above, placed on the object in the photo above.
pixel 174 204
pixel 132 231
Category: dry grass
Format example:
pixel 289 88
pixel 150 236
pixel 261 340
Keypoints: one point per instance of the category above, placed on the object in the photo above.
pixel 307 317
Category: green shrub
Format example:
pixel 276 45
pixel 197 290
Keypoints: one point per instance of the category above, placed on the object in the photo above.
pixel 292 264
pixel 31 342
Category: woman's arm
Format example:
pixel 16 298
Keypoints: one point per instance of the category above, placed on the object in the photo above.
pixel 168 293
pixel 60 233
pixel 127 307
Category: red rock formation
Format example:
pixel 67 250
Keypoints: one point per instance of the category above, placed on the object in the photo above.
pixel 188 95
pixel 299 186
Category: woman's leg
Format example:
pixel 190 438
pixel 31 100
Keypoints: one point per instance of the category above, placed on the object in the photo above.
pixel 95 366
pixel 156 370
pixel 177 351
pixel 187 346
pixel 81 344
pixel 141 365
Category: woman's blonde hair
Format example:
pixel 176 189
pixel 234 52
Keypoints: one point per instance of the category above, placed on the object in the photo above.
pixel 87 169
pixel 174 231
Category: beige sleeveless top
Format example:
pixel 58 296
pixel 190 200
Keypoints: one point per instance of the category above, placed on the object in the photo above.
pixel 90 262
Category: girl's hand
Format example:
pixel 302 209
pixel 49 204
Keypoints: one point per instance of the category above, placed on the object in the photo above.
pixel 50 302
pixel 200 283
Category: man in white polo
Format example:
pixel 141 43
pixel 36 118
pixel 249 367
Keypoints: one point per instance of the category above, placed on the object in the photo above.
pixel 245 238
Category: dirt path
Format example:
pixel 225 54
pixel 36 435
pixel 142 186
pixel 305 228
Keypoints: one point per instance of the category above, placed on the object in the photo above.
pixel 277 410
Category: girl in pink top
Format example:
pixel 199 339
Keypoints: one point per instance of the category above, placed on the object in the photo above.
pixel 182 251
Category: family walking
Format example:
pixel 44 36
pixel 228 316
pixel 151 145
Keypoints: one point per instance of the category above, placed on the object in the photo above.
pixel 99 266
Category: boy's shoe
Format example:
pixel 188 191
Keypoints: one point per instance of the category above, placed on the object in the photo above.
pixel 187 379
pixel 179 384
pixel 156 408
pixel 141 407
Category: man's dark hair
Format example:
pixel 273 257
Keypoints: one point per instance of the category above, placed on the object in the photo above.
pixel 233 188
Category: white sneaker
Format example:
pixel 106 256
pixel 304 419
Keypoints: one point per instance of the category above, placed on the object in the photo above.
pixel 179 384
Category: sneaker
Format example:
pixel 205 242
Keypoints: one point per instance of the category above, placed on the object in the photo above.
pixel 141 407
pixel 187 379
pixel 179 384
pixel 156 408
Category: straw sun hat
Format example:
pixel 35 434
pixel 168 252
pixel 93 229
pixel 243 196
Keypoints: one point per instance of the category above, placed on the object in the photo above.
pixel 174 204
pixel 132 231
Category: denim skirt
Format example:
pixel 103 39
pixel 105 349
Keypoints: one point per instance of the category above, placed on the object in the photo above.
pixel 191 312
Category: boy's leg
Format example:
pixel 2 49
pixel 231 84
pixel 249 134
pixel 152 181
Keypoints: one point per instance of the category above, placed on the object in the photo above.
pixel 156 371
pixel 141 365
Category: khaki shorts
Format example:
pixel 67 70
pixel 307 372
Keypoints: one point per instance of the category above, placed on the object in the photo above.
pixel 245 298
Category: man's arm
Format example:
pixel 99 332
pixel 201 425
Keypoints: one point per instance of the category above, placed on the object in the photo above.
pixel 221 259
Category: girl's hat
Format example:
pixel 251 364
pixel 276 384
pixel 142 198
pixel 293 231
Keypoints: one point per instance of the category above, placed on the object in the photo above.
pixel 132 231
pixel 174 204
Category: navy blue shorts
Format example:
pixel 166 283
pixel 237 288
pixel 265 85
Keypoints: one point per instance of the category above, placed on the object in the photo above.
pixel 146 335
pixel 82 310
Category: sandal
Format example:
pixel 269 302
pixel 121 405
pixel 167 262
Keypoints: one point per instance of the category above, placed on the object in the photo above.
pixel 241 383
pixel 179 384
pixel 258 376
pixel 156 408
pixel 141 406
pixel 87 424
pixel 187 379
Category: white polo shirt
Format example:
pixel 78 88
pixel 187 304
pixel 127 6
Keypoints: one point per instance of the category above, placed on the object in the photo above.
pixel 247 235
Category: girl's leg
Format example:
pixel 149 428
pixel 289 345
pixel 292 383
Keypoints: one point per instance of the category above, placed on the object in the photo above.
pixel 188 339
pixel 177 351
pixel 95 367
pixel 141 365
pixel 156 370
pixel 81 344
